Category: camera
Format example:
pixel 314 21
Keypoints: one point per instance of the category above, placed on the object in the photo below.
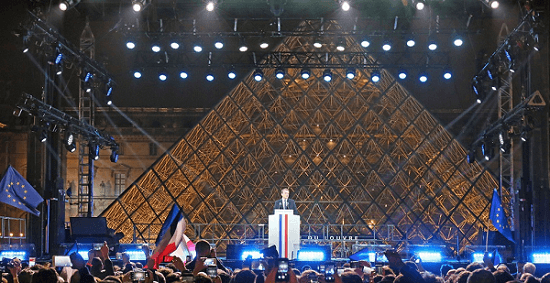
pixel 211 267
pixel 139 275
pixel 282 272
pixel 329 272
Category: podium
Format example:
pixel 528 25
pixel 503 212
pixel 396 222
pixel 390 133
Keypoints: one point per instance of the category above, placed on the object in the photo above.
pixel 284 232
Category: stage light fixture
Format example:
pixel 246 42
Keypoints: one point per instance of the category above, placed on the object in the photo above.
pixel 174 44
pixel 130 44
pixel 25 46
pixel 264 44
pixel 365 42
pixel 137 74
pixel 423 77
pixel 258 75
pixel 471 157
pixel 232 74
pixel 386 45
pixel 210 6
pixel 327 75
pixel 305 73
pixel 94 150
pixel 70 147
pixel 59 69
pixel 67 4
pixel 495 83
pixel 410 42
pixel 109 88
pixel 350 73
pixel 114 154
pixel 345 6
pixel 487 149
pixel 457 40
pixel 317 42
pixel 242 46
pixel 280 73
pixel 58 58
pixel 109 102
pixel 420 4
pixel 524 136
pixel 375 76
pixel 447 74
pixel 341 45
pixel 219 43
pixel 155 48
pixel 163 77
pixel 402 74
pixel 209 77
pixel 138 5
pixel 183 74
pixel 432 44
pixel 494 4
pixel 197 46
pixel 43 135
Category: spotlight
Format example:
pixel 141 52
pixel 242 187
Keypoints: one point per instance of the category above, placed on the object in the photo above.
pixel 487 149
pixel 109 88
pixel 471 157
pixel 327 75
pixel 197 46
pixel 210 6
pixel 420 5
pixel 174 44
pixel 138 5
pixel 263 43
pixel 94 151
pixel 109 102
pixel 317 42
pixel 350 73
pixel 163 76
pixel 43 136
pixel 341 45
pixel 365 42
pixel 457 40
pixel 386 46
pixel 523 136
pixel 306 73
pixel 70 147
pixel 67 4
pixel 280 73
pixel 219 43
pixel 345 6
pixel 258 75
pixel 242 46
pixel 494 4
pixel 155 48
pixel 183 74
pixel 130 44
pixel 402 74
pixel 375 76
pixel 495 84
pixel 58 58
pixel 432 44
pixel 114 154
pixel 423 77
pixel 410 42
pixel 209 77
pixel 137 74
pixel 232 74
pixel 447 74
pixel 59 69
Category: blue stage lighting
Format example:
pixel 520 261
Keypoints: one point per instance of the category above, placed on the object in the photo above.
pixel 541 257
pixel 232 74
pixel 88 77
pixel 305 73
pixel 327 75
pixel 137 74
pixel 280 73
pixel 58 58
pixel 136 254
pixel 83 254
pixel 430 256
pixel 457 40
pixel 130 44
pixel 22 255
pixel 375 76
pixel 163 77
pixel 219 43
pixel 365 42
pixel 209 77
pixel 311 255
pixel 386 46
pixel 197 47
pixel 432 45
pixel 478 256
pixel 411 42
pixel 175 45
pixel 155 48
pixel 402 74
pixel 252 254
pixel 258 75
pixel 350 73
pixel 447 74
pixel 183 75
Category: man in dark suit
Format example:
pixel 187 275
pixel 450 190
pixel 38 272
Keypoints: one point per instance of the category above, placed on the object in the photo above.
pixel 285 202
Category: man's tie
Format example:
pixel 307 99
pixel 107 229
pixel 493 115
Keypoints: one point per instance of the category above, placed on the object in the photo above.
pixel 284 204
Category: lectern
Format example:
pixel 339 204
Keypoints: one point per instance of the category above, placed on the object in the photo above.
pixel 284 232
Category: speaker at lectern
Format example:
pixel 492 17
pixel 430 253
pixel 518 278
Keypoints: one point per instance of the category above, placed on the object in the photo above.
pixel 284 232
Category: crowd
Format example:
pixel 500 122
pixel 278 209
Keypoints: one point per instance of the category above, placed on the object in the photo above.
pixel 99 268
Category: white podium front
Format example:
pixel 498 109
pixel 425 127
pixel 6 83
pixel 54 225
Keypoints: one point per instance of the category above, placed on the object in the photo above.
pixel 284 232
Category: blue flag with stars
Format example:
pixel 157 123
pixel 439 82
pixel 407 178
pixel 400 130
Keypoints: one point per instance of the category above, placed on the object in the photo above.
pixel 499 219
pixel 17 192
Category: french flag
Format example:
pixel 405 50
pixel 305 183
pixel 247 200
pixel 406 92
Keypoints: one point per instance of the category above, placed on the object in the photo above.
pixel 172 239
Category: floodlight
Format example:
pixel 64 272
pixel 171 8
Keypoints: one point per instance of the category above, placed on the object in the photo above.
pixel 410 42
pixel 163 77
pixel 350 73
pixel 94 151
pixel 114 154
pixel 197 46
pixel 386 46
pixel 130 44
pixel 423 77
pixel 345 6
pixel 242 46
pixel 365 42
pixel 375 76
pixel 341 45
pixel 137 74
pixel 155 48
pixel 402 74
pixel 209 77
pixel 420 5
pixel 306 73
pixel 219 43
pixel 280 73
pixel 210 6
pixel 457 40
pixel 264 43
pixel 174 44
pixel 183 74
pixel 317 42
pixel 447 74
pixel 138 5
pixel 232 74
pixel 327 75
pixel 258 75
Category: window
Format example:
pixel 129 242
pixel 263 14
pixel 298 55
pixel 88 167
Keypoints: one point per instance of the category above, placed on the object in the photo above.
pixel 120 183
pixel 153 149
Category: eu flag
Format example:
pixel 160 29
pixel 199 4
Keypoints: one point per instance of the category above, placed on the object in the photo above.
pixel 499 219
pixel 16 191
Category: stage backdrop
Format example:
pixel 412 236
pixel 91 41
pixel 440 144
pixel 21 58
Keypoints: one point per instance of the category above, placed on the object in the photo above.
pixel 350 151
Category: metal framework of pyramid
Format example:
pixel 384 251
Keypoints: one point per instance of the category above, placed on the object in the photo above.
pixel 367 155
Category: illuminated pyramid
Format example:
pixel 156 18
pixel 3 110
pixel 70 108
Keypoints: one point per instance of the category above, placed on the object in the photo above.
pixel 366 155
